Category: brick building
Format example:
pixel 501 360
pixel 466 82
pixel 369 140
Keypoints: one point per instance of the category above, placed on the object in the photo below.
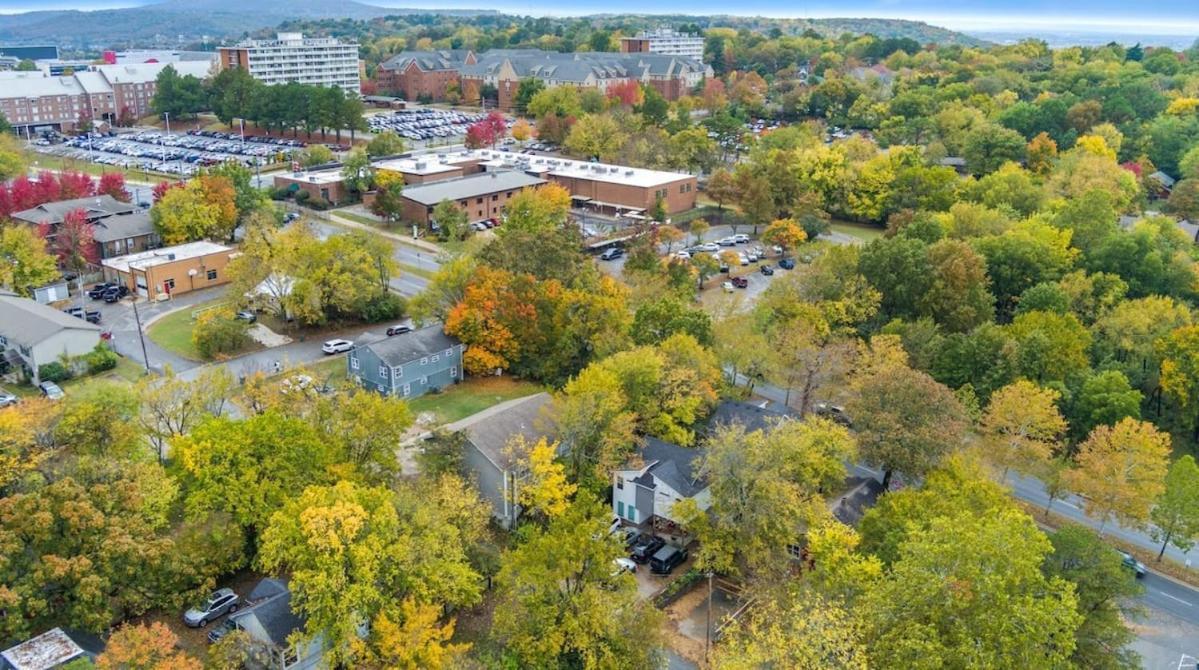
pixel 171 270
pixel 422 75
pixel 326 185
pixel 481 196
pixel 34 100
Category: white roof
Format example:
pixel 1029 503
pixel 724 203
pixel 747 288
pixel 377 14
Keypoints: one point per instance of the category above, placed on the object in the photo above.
pixel 427 164
pixel 93 82
pixel 565 167
pixel 38 85
pixel 146 259
pixel 317 177
pixel 144 73
pixel 48 650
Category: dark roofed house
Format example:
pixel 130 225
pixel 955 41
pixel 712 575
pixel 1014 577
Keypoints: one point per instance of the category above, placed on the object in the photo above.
pixel 751 416
pixel 118 227
pixel 270 620
pixel 410 364
pixel 52 649
pixel 487 434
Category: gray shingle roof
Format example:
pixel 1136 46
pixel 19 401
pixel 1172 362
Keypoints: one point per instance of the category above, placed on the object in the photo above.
pixel 470 187
pixel 401 349
pixel 578 67
pixel 750 416
pixel 677 466
pixel 445 59
pixel 490 430
pixel 26 322
pixel 94 207
pixel 122 226
pixel 272 609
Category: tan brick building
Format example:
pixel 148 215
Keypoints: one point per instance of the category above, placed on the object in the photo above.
pixel 481 196
pixel 171 270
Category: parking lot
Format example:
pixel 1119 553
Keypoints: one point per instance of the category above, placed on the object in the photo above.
pixel 170 153
pixel 424 124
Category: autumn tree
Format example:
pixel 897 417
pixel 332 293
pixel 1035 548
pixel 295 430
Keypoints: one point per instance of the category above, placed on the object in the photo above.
pixel 113 184
pixel 785 233
pixel 1176 515
pixel 389 192
pixel 593 416
pixel 560 603
pixel 184 215
pixel 545 491
pixel 73 243
pixel 355 553
pixel 595 136
pixel 415 640
pixel 1179 355
pixel 522 130
pixel 803 630
pixel 722 188
pixel 25 263
pixel 142 647
pixel 1022 426
pixel 906 421
pixel 1120 471
pixel 386 143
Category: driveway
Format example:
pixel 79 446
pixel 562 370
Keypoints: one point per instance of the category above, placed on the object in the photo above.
pixel 118 318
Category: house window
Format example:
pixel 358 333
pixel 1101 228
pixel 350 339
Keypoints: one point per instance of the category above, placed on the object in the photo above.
pixel 424 380
pixel 619 508
pixel 434 358
pixel 478 201
pixel 620 482
pixel 353 362
pixel 212 275
pixel 632 513
pixel 424 361
pixel 494 198
pixel 407 389
pixel 383 371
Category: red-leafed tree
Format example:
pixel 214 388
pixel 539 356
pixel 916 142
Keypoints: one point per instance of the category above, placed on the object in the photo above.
pixel 113 184
pixel 369 87
pixel 627 92
pixel 72 242
pixel 23 194
pixel 488 132
pixel 161 188
pixel 45 188
pixel 73 185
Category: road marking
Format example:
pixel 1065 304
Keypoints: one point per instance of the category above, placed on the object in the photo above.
pixel 1070 505
pixel 1175 598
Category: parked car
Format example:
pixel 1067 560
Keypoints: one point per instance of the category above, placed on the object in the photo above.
pixel 290 216
pixel 91 315
pixel 221 602
pixel 743 259
pixel 727 286
pixel 337 346
pixel 398 330
pixel 115 293
pixel 665 559
pixel 710 247
pixel 787 264
pixel 8 399
pixel 644 547
pixel 740 282
pixel 622 565
pixel 727 241
pixel 51 390
pixel 611 254
pixel 683 255
pixel 628 535
pixel 741 238
pixel 97 292
pixel 766 270
pixel 216 634
pixel 1138 568
pixel 835 413
pixel 246 315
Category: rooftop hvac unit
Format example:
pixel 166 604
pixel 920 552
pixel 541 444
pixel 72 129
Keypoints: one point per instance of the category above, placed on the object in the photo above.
pixel 420 165
pixel 628 173
pixel 613 170
pixel 312 179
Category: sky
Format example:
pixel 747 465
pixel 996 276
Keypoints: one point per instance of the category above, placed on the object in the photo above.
pixel 1179 17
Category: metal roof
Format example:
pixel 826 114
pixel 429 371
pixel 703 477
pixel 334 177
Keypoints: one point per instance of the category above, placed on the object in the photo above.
pixel 470 187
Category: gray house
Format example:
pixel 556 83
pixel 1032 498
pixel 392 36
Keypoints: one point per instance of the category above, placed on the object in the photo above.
pixel 269 620
pixel 408 365
pixel 32 334
pixel 487 434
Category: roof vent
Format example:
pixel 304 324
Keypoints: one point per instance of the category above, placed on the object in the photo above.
pixel 628 173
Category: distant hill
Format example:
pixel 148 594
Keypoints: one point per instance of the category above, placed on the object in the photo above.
pixel 917 30
pixel 180 21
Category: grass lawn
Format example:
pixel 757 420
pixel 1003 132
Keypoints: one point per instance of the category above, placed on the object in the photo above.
pixel 472 396
pixel 127 370
pixel 48 162
pixel 173 332
pixel 862 231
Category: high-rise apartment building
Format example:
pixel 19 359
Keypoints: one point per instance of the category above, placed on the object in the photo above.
pixel 320 61
pixel 667 42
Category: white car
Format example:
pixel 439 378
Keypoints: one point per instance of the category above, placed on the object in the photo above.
pixel 728 287
pixel 740 238
pixel 337 346
pixel 622 565
pixel 709 246
pixel 8 399
pixel 683 255
pixel 743 259
pixel 727 241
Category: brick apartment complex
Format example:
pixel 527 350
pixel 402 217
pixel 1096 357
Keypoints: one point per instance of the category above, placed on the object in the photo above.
pixel 117 227
pixel 417 73
pixel 171 270
pixel 318 61
pixel 423 75
pixel 665 41
pixel 33 100
pixel 481 196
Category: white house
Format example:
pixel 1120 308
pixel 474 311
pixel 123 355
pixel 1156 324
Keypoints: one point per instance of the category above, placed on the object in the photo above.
pixel 646 494
pixel 32 334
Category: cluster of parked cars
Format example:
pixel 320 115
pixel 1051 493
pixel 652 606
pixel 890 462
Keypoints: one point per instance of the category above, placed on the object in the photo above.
pixel 661 557
pixel 89 315
pixel 175 153
pixel 109 292
pixel 423 124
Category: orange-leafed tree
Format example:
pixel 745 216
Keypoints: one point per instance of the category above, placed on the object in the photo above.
pixel 140 647
pixel 627 93
pixel 481 320
pixel 219 192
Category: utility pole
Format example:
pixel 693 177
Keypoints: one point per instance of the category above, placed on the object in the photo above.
pixel 708 626
pixel 140 335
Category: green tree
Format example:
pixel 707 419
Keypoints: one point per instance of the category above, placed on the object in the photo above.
pixel 1176 515
pixel 987 148
pixel 595 136
pixel 1104 398
pixel 561 605
pixel 386 143
pixel 1022 426
pixel 1120 471
pixel 656 320
pixel 357 172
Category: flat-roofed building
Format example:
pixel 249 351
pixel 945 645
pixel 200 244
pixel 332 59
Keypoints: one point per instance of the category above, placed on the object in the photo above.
pixel 318 61
pixel 481 196
pixel 665 41
pixel 425 168
pixel 171 270
pixel 325 185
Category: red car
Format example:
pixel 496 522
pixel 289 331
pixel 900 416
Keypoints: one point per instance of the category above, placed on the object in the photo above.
pixel 740 282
